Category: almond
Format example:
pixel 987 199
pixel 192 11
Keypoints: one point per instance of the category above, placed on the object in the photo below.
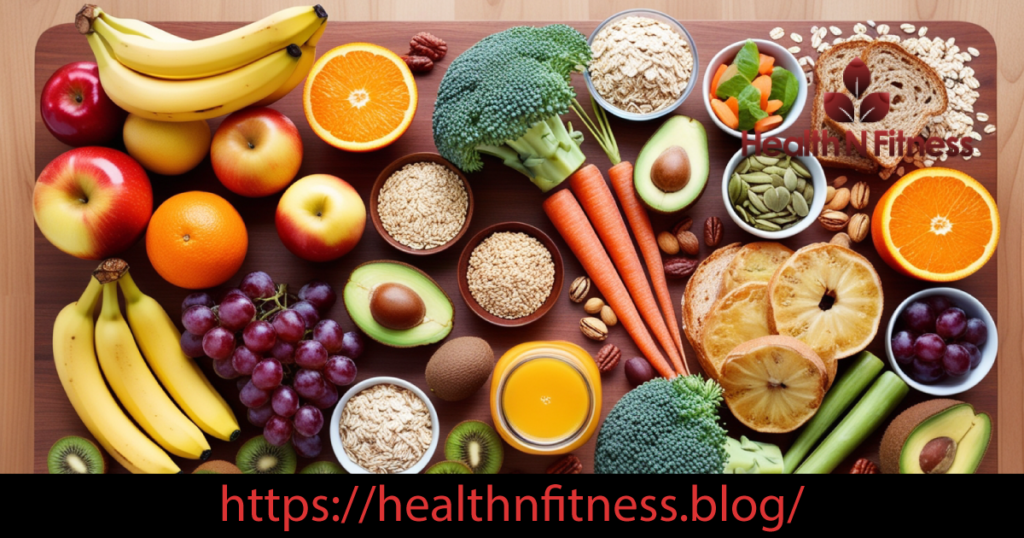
pixel 668 243
pixel 840 200
pixel 688 243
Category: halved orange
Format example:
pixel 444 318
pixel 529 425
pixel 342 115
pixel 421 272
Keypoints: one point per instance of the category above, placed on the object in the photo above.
pixel 936 224
pixel 359 97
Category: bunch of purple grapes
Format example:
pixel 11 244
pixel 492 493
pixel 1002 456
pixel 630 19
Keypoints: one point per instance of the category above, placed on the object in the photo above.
pixel 938 340
pixel 288 361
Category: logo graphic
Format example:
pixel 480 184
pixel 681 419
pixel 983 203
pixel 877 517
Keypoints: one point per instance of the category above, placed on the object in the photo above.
pixel 873 106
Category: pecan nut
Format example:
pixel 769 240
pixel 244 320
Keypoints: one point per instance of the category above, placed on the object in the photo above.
pixel 429 45
pixel 688 243
pixel 833 221
pixel 713 231
pixel 594 329
pixel 668 243
pixel 864 466
pixel 860 226
pixel 840 200
pixel 418 64
pixel 568 464
pixel 682 225
pixel 608 357
pixel 841 239
pixel 680 267
pixel 860 195
pixel 579 289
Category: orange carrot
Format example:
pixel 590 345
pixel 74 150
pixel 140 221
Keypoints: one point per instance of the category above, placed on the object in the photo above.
pixel 763 84
pixel 723 112
pixel 621 178
pixel 714 81
pixel 593 194
pixel 767 124
pixel 766 65
pixel 773 105
pixel 734 105
pixel 570 221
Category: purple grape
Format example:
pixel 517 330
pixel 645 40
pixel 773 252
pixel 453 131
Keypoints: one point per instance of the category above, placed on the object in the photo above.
pixel 267 374
pixel 308 312
pixel 903 347
pixel 218 343
pixel 974 352
pixel 951 323
pixel 289 326
pixel 308 420
pixel 352 345
pixel 320 294
pixel 929 347
pixel 638 371
pixel 258 416
pixel 198 319
pixel 224 370
pixel 233 292
pixel 259 336
pixel 277 430
pixel 957 360
pixel 192 345
pixel 310 355
pixel 329 333
pixel 258 285
pixel 309 384
pixel 328 399
pixel 306 447
pixel 197 298
pixel 253 396
pixel 340 370
pixel 283 352
pixel 919 317
pixel 976 332
pixel 926 372
pixel 285 401
pixel 244 360
pixel 236 312
pixel 939 303
pixel 240 383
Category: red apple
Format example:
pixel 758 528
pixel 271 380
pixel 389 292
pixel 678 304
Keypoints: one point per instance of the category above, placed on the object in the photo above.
pixel 320 218
pixel 92 202
pixel 256 152
pixel 77 110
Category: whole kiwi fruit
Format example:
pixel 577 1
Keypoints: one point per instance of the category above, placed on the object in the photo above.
pixel 459 368
pixel 258 456
pixel 476 444
pixel 75 455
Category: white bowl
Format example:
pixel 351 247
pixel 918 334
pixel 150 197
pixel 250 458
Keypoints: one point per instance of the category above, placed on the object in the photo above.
pixel 783 58
pixel 974 309
pixel 339 451
pixel 817 202
pixel 679 29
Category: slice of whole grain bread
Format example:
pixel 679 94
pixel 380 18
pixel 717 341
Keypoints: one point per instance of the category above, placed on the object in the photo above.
pixel 702 291
pixel 916 94
pixel 828 74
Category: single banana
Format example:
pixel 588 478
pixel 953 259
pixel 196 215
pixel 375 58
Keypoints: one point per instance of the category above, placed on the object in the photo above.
pixel 139 28
pixel 305 64
pixel 75 360
pixel 189 100
pixel 215 55
pixel 160 342
pixel 136 387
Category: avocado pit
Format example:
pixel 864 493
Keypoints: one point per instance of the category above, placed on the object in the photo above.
pixel 671 170
pixel 396 306
pixel 937 455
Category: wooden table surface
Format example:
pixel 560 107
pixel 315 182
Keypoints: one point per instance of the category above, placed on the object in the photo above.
pixel 16 430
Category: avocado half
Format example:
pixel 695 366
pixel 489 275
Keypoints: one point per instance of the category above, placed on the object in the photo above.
pixel 907 435
pixel 437 321
pixel 688 134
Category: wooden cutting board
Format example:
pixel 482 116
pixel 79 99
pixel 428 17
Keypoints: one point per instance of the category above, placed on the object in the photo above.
pixel 501 195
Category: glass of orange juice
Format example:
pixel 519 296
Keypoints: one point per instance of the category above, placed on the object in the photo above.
pixel 546 397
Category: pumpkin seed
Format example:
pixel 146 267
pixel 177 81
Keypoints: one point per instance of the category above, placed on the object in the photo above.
pixel 750 208
pixel 800 169
pixel 754 165
pixel 777 180
pixel 744 166
pixel 808 192
pixel 742 213
pixel 785 220
pixel 760 189
pixel 735 186
pixel 765 160
pixel 756 201
pixel 772 215
pixel 801 183
pixel 800 205
pixel 762 224
pixel 756 177
pixel 774 170
pixel 790 180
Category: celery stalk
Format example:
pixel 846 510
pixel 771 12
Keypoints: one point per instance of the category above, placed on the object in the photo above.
pixel 840 397
pixel 880 400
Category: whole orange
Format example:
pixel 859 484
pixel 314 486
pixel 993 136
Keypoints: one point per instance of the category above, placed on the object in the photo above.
pixel 196 240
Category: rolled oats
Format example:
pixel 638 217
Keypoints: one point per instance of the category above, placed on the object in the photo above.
pixel 797 38
pixel 907 27
pixel 794 49
pixel 923 31
pixel 859 28
pixel 871 24
pixel 990 128
pixel 973 52
pixel 835 30
pixel 423 205
pixel 883 29
pixel 777 33
pixel 510 274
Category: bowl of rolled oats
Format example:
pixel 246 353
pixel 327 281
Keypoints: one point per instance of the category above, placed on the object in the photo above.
pixel 644 65
pixel 384 425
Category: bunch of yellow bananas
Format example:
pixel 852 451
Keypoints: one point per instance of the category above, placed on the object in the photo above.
pixel 157 75
pixel 75 353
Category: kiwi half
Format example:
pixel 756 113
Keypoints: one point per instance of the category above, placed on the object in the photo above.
pixel 476 444
pixel 449 467
pixel 75 455
pixel 323 467
pixel 257 456
pixel 217 467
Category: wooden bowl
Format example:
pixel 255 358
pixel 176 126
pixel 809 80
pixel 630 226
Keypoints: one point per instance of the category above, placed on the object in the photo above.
pixel 463 269
pixel 394 167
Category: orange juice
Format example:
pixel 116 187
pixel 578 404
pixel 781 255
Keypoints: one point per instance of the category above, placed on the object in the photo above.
pixel 545 400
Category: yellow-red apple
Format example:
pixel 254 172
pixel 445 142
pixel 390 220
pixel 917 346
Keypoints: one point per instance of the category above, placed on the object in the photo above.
pixel 256 152
pixel 164 147
pixel 320 218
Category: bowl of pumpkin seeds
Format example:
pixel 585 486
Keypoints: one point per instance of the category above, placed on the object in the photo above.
pixel 773 196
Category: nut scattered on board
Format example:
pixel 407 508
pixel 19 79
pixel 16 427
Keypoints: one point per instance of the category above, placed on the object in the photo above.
pixel 830 193
pixel 864 466
pixel 833 221
pixel 682 225
pixel 593 305
pixel 859 227
pixel 608 316
pixel 713 231
pixel 668 243
pixel 840 200
pixel 594 329
pixel 860 195
pixel 841 239
pixel 418 64
pixel 568 464
pixel 688 243
pixel 579 289
pixel 608 357
pixel 680 267
pixel 839 181
pixel 429 45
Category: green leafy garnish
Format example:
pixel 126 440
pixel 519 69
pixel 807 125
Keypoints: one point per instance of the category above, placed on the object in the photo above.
pixel 784 88
pixel 748 59
pixel 750 108
pixel 732 87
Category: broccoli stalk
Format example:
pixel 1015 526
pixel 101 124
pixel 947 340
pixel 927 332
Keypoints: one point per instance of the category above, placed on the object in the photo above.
pixel 547 154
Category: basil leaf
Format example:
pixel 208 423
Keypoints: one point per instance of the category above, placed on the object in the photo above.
pixel 748 59
pixel 784 88
pixel 732 87
pixel 750 108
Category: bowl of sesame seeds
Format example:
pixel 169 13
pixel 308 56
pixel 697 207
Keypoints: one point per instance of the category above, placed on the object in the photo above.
pixel 510 274
pixel 421 204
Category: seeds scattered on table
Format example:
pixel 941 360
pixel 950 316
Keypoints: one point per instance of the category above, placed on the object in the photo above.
pixel 835 30
pixel 990 128
pixel 794 49
pixel 907 27
pixel 797 38
pixel 510 274
pixel 777 33
pixel 423 205
pixel 385 429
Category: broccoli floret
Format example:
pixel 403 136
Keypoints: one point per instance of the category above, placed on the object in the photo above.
pixel 503 96
pixel 664 427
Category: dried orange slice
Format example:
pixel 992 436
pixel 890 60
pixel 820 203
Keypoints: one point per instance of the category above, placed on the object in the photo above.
pixel 359 97
pixel 936 224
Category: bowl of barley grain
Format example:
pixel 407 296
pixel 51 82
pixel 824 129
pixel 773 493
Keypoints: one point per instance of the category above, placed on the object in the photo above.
pixel 510 274
pixel 421 204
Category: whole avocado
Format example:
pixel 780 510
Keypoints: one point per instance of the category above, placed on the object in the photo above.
pixel 459 368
